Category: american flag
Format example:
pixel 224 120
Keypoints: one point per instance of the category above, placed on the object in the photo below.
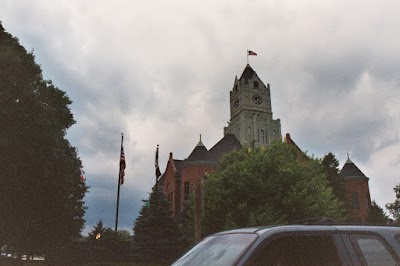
pixel 122 166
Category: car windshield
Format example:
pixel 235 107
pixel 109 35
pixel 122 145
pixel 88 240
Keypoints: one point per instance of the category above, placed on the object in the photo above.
pixel 222 249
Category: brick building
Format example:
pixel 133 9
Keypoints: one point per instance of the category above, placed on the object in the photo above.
pixel 183 176
pixel 251 124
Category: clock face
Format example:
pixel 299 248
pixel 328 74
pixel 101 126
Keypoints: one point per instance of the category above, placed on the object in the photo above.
pixel 236 104
pixel 257 99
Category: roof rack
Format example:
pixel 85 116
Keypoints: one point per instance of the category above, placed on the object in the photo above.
pixel 318 220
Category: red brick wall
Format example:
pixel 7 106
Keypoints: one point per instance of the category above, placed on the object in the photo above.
pixel 358 190
pixel 170 185
pixel 193 174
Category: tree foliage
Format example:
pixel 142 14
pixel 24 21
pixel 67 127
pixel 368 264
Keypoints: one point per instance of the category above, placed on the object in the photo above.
pixel 394 208
pixel 376 215
pixel 331 168
pixel 267 186
pixel 157 237
pixel 124 235
pixel 40 190
pixel 101 233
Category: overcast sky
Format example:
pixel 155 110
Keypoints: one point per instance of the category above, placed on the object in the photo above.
pixel 161 72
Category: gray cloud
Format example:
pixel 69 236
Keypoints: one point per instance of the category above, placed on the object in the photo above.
pixel 161 73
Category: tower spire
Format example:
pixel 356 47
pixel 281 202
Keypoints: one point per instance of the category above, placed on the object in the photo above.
pixel 200 142
pixel 348 159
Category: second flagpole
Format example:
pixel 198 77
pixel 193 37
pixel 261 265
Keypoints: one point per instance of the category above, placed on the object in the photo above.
pixel 119 184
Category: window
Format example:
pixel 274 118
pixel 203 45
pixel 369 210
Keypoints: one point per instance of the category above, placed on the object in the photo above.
pixel 354 201
pixel 186 190
pixel 255 84
pixel 260 136
pixel 217 250
pixel 373 250
pixel 299 250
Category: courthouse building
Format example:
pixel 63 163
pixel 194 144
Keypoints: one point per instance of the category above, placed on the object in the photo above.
pixel 251 124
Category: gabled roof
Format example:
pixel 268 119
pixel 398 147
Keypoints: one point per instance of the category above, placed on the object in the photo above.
pixel 289 140
pixel 227 144
pixel 178 166
pixel 351 171
pixel 248 73
pixel 300 154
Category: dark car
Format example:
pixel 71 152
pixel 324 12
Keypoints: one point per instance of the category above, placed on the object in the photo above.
pixel 299 245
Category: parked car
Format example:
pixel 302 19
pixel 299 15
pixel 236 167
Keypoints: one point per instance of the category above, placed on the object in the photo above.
pixel 299 245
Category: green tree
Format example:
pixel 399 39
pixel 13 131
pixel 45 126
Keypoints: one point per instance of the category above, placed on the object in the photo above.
pixel 331 168
pixel 40 190
pixel 394 208
pixel 157 237
pixel 376 214
pixel 124 235
pixel 267 186
pixel 186 222
pixel 101 233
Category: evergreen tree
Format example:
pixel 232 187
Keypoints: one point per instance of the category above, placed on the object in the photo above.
pixel 336 181
pixel 157 237
pixel 40 190
pixel 376 214
pixel 101 233
pixel 394 208
pixel 187 220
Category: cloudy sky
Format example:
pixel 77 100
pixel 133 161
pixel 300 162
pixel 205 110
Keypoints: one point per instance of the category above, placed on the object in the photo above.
pixel 161 72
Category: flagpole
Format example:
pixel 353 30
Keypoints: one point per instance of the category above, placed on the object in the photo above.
pixel 157 167
pixel 119 187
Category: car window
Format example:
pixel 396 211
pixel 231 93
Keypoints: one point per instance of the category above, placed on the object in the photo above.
pixel 299 250
pixel 221 250
pixel 373 250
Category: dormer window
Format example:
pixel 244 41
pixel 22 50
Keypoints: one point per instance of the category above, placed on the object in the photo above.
pixel 256 84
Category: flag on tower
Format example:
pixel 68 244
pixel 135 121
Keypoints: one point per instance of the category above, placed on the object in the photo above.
pixel 122 166
pixel 158 173
pixel 251 52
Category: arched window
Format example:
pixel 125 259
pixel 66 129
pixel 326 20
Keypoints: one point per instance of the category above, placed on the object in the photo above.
pixel 261 135
pixel 256 84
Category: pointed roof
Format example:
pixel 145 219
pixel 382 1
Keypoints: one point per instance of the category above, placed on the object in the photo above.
pixel 227 144
pixel 248 73
pixel 351 171
pixel 199 153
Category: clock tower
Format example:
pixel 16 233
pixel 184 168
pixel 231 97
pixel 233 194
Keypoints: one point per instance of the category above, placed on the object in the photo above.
pixel 251 111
